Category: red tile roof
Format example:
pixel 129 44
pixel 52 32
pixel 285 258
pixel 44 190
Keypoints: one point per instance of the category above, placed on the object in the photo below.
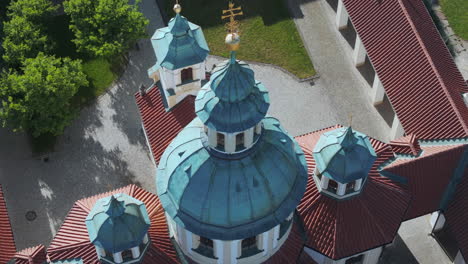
pixel 32 255
pixel 457 215
pixel 341 228
pixel 72 239
pixel 162 127
pixel 406 145
pixel 7 242
pixel 428 176
pixel 417 71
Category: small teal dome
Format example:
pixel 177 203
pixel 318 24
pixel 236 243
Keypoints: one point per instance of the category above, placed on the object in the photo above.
pixel 179 45
pixel 232 101
pixel 117 223
pixel 344 155
pixel 231 198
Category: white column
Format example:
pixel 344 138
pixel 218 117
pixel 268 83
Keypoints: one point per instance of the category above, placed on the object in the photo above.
pixel 248 137
pixel 100 251
pixel 235 251
pixel 397 128
pixel 341 189
pixel 324 182
pixel 230 143
pixel 218 250
pixel 177 79
pixel 359 53
pixel 378 91
pixel 437 221
pixel 118 257
pixel 465 98
pixel 188 241
pixel 265 237
pixel 341 16
pixel 145 239
pixel 357 185
pixel 459 259
pixel 135 252
pixel 202 75
pixel 258 128
pixel 275 236
pixel 212 137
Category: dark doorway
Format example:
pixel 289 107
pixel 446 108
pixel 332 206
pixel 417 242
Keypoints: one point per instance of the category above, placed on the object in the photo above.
pixel 186 75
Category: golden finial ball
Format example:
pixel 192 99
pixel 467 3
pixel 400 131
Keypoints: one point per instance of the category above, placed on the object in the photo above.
pixel 233 41
pixel 177 8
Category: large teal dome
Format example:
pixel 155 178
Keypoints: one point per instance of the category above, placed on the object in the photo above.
pixel 233 100
pixel 117 223
pixel 229 197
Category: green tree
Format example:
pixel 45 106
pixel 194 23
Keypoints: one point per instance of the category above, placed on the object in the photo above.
pixel 22 40
pixel 24 33
pixel 105 27
pixel 39 100
pixel 35 11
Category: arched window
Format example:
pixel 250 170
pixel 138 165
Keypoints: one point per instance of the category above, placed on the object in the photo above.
pixel 332 186
pixel 220 141
pixel 127 255
pixel 206 247
pixel 240 142
pixel 186 75
pixel 350 187
pixel 249 247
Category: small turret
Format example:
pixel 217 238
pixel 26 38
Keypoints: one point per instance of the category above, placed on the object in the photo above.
pixel 118 226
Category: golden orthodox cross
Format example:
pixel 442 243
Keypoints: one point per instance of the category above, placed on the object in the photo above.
pixel 233 25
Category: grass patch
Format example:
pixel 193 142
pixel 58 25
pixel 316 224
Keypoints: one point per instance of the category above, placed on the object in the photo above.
pixel 269 34
pixel 457 15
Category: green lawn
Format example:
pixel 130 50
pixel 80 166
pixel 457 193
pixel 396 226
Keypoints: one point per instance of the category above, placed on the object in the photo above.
pixel 268 33
pixel 457 15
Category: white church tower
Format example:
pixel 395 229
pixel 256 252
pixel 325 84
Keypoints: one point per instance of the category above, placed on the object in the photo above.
pixel 181 52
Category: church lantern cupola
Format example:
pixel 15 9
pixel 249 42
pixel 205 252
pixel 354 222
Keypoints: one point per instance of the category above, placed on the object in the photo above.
pixel 118 227
pixel 344 158
pixel 181 52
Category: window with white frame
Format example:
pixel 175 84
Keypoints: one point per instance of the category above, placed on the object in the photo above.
pixel 240 141
pixel 249 247
pixel 205 247
pixel 220 141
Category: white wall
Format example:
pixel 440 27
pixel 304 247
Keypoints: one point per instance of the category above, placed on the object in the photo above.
pixel 459 259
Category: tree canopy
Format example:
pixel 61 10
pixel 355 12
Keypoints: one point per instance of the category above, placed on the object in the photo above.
pixel 105 27
pixel 39 100
pixel 24 32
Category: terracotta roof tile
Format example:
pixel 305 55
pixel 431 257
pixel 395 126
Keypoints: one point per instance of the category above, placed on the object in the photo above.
pixel 32 255
pixel 162 127
pixel 428 176
pixel 7 242
pixel 72 239
pixel 339 229
pixel 420 77
pixel 406 145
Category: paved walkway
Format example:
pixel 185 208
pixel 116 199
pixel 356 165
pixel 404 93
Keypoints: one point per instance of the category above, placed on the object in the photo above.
pixel 340 83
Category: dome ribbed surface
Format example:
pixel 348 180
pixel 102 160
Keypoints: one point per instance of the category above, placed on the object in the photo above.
pixel 233 100
pixel 236 198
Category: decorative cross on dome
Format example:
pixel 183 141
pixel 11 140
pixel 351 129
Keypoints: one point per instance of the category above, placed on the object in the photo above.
pixel 233 25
